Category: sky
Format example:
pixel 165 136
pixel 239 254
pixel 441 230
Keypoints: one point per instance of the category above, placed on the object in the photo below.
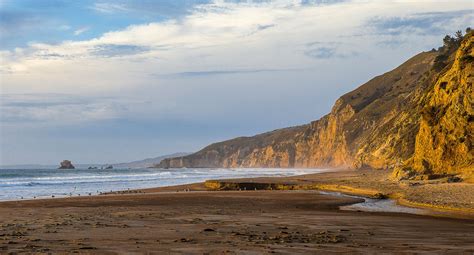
pixel 115 81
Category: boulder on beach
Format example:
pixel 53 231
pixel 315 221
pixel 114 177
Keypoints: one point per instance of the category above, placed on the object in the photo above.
pixel 66 164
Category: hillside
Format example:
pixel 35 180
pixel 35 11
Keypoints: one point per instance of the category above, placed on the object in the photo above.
pixel 149 162
pixel 416 119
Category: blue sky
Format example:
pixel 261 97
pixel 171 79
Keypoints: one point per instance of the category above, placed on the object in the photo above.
pixel 54 21
pixel 113 81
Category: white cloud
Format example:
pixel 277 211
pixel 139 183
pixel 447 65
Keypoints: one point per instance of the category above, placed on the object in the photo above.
pixel 222 37
pixel 62 109
pixel 81 30
pixel 109 8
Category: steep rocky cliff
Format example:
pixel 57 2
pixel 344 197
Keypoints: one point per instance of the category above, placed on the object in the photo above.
pixel 444 142
pixel 417 118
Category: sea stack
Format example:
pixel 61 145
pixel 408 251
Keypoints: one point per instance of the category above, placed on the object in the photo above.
pixel 66 164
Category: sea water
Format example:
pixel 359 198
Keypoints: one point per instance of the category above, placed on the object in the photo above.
pixel 16 184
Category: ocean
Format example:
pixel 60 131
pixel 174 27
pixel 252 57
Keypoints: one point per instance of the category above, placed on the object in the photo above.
pixel 17 184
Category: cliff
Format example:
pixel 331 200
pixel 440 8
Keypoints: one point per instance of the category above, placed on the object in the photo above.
pixel 271 149
pixel 444 142
pixel 416 119
pixel 149 162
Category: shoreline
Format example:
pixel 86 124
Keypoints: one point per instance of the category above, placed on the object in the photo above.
pixel 30 184
pixel 305 182
pixel 169 220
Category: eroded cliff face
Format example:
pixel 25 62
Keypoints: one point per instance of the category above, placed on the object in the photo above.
pixel 271 149
pixel 323 142
pixel 414 117
pixel 444 143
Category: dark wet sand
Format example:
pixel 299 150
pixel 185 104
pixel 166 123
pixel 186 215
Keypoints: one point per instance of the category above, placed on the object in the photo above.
pixel 222 222
pixel 450 199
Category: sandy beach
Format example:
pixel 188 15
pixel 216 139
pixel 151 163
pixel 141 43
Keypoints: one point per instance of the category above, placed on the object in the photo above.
pixel 163 220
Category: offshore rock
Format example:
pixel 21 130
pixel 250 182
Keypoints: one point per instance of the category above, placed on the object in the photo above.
pixel 66 164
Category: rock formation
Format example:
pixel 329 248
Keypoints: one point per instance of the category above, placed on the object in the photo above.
pixel 66 164
pixel 416 119
pixel 444 142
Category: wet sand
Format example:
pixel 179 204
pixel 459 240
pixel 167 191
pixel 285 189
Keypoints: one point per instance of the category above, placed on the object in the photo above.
pixel 440 196
pixel 165 221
